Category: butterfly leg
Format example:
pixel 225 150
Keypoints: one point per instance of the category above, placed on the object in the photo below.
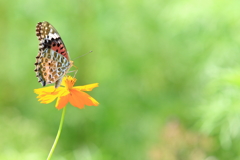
pixel 75 71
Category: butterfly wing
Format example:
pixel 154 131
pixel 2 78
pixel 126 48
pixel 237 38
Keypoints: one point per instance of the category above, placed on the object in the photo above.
pixel 51 67
pixel 52 61
pixel 49 38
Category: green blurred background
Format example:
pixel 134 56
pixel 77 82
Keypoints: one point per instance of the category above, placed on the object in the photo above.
pixel 169 76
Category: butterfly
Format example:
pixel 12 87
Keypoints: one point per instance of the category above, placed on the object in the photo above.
pixel 52 61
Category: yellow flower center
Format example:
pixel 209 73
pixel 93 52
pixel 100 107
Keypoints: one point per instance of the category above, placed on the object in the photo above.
pixel 69 82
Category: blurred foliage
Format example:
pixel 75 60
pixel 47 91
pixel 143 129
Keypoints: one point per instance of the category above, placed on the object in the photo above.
pixel 168 74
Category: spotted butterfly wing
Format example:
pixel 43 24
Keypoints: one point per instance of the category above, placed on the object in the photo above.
pixel 52 61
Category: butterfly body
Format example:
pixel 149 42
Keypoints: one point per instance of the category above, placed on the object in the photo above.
pixel 52 61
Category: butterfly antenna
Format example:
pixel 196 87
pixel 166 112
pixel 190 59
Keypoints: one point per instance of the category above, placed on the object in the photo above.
pixel 83 55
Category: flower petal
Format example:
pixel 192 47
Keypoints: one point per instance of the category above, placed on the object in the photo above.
pixel 79 99
pixel 45 89
pixel 76 101
pixel 62 102
pixel 48 94
pixel 47 98
pixel 88 87
pixel 94 101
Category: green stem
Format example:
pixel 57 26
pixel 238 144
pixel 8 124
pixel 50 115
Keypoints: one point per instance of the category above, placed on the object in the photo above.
pixel 58 135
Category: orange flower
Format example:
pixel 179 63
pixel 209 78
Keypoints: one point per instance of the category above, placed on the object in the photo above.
pixel 68 93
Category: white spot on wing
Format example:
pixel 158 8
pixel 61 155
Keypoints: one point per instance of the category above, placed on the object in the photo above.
pixel 54 35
